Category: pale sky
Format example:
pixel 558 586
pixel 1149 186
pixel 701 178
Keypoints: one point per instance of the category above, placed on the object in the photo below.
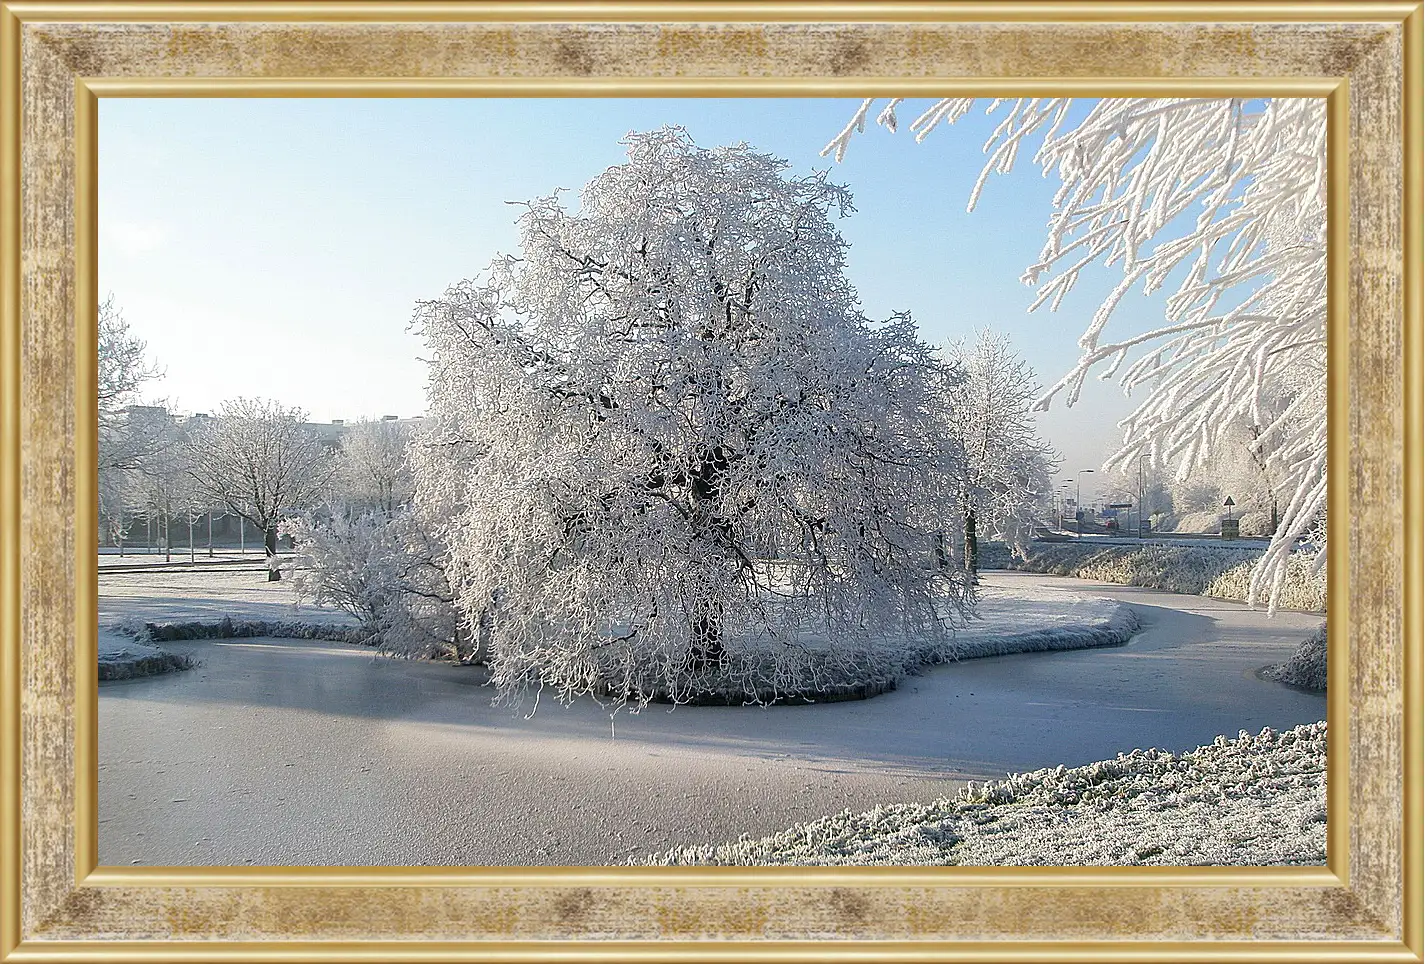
pixel 277 247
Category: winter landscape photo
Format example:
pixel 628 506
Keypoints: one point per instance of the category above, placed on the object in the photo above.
pixel 614 482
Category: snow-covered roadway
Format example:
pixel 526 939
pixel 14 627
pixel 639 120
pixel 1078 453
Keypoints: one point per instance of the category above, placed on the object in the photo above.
pixel 295 752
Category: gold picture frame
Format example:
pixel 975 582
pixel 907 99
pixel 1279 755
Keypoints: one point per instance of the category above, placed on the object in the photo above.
pixel 59 57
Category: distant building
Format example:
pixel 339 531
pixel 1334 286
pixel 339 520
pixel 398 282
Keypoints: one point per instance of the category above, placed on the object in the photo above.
pixel 330 433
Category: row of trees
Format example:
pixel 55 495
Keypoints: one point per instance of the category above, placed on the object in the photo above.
pixel 253 459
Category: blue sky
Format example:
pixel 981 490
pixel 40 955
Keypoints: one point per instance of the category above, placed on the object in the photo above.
pixel 276 247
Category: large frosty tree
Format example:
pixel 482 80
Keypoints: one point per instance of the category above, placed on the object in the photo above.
pixel 1230 197
pixel 259 460
pixel 672 446
pixel 1005 485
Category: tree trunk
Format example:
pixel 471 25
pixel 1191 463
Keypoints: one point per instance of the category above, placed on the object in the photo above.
pixel 707 635
pixel 270 547
pixel 972 544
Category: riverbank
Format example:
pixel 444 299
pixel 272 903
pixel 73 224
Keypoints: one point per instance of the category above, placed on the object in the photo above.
pixel 123 657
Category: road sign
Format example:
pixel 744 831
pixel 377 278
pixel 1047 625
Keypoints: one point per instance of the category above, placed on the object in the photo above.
pixel 1120 505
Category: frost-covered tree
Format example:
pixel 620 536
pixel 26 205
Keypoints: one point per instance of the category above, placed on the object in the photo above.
pixel 1234 468
pixel 1006 484
pixel 670 445
pixel 374 470
pixel 259 460
pixel 1229 196
pixel 123 441
pixel 163 479
pixel 123 369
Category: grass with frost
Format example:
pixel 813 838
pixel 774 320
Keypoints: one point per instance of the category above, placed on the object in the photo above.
pixel 1250 801
pixel 1307 666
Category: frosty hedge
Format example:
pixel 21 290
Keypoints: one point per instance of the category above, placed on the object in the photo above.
pixel 1197 570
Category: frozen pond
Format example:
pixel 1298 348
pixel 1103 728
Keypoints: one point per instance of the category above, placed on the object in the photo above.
pixel 294 752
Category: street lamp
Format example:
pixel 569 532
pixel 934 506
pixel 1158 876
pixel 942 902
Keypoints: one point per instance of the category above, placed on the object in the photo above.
pixel 1078 501
pixel 1141 457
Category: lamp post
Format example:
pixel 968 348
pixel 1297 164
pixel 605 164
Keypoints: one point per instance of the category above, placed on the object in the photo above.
pixel 1141 457
pixel 1078 501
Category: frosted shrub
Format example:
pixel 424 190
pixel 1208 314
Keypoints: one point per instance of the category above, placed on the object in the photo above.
pixel 387 571
pixel 1307 666
pixel 1248 800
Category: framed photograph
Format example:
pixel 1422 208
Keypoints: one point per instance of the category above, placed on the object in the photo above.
pixel 581 481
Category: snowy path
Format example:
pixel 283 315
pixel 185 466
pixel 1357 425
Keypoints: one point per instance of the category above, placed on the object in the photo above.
pixel 216 765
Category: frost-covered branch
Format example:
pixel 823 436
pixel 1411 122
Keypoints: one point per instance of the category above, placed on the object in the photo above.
pixel 1228 197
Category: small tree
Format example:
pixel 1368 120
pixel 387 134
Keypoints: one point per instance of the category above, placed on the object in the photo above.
pixel 387 570
pixel 164 473
pixel 1005 483
pixel 123 442
pixel 374 470
pixel 679 447
pixel 123 370
pixel 259 460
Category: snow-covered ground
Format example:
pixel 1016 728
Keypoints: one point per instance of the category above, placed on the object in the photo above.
pixel 1245 543
pixel 128 599
pixel 178 595
pixel 109 557
pixel 1026 618
pixel 1010 618
pixel 1022 619
pixel 1255 800
pixel 300 752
